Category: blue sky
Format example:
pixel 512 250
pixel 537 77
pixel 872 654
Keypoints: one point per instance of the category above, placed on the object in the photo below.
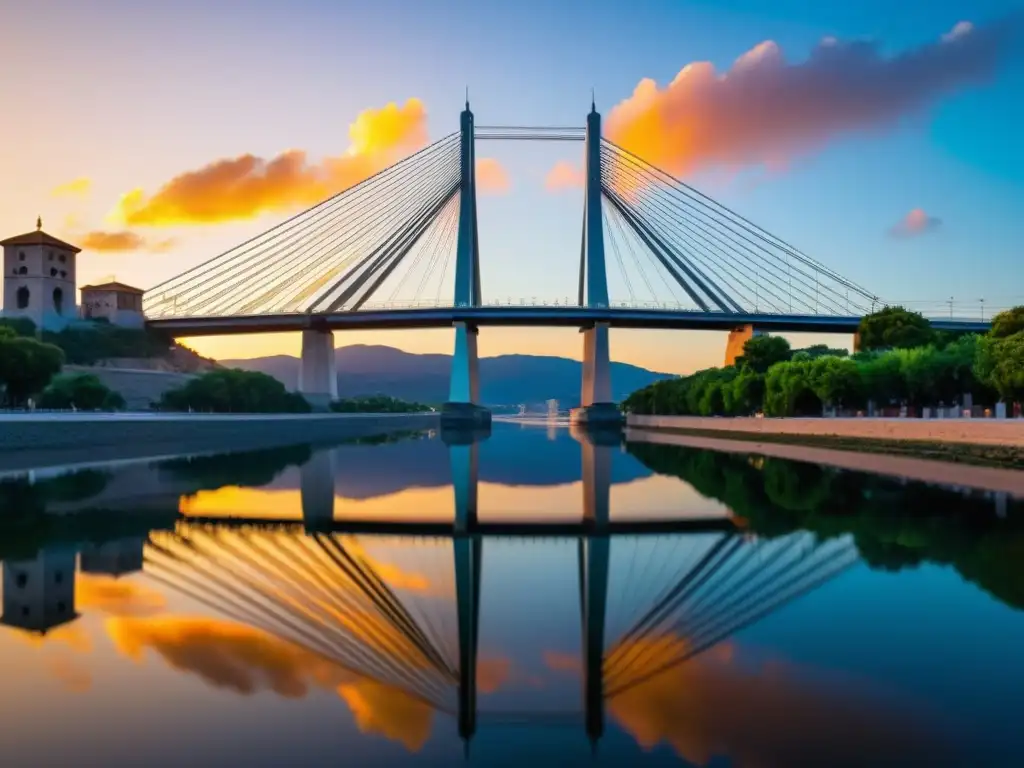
pixel 131 95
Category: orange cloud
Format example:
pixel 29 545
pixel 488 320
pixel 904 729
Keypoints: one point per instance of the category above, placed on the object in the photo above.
pixel 116 597
pixel 557 661
pixel 72 676
pixel 714 706
pixel 246 660
pixel 765 110
pixel 491 176
pixel 492 673
pixel 247 186
pixel 120 242
pixel 564 175
pixel 79 187
pixel 917 222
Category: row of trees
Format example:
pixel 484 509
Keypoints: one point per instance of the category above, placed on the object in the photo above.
pixel 903 361
pixel 377 404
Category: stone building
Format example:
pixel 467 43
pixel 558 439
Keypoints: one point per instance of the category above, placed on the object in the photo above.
pixel 39 279
pixel 116 302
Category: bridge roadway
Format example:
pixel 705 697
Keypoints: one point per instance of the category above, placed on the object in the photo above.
pixel 512 315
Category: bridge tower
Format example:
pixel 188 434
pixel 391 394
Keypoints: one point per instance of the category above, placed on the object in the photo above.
pixel 596 406
pixel 463 406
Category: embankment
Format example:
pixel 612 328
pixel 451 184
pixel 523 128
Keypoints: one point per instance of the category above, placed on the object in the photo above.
pixel 44 439
pixel 993 442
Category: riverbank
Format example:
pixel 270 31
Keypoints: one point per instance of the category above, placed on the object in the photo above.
pixel 982 442
pixel 994 479
pixel 30 440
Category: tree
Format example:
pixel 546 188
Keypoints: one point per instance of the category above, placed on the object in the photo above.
pixel 26 365
pixel 232 390
pixel 1007 323
pixel 836 380
pixel 788 390
pixel 882 377
pixel 376 404
pixel 746 394
pixel 83 391
pixel 894 328
pixel 1000 364
pixel 762 352
pixel 815 351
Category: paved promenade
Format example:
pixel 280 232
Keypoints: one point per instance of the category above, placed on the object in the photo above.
pixel 975 431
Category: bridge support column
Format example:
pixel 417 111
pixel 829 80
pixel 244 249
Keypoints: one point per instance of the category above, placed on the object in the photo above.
pixel 597 483
pixel 737 338
pixel 316 489
pixel 318 375
pixel 594 553
pixel 463 408
pixel 465 462
pixel 468 555
pixel 596 406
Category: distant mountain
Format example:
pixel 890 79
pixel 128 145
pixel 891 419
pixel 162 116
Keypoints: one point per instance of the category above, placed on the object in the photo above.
pixel 506 379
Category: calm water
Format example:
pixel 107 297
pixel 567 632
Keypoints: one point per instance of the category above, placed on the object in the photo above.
pixel 309 606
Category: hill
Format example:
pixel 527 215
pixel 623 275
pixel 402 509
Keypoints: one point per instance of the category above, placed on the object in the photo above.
pixel 506 379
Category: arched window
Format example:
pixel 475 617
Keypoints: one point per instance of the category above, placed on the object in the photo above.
pixel 22 270
pixel 22 297
pixel 63 273
pixel 21 255
pixel 53 271
pixel 58 301
pixel 62 258
pixel 49 255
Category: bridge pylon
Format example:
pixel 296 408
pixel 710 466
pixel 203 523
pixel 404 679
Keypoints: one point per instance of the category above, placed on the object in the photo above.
pixel 318 374
pixel 596 406
pixel 463 406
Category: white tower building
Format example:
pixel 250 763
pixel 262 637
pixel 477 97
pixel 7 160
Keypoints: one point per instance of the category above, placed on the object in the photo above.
pixel 39 279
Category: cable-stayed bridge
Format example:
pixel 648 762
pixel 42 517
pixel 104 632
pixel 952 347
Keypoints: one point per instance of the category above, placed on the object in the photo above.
pixel 402 250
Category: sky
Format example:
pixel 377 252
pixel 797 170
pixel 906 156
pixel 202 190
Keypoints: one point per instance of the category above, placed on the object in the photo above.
pixel 879 139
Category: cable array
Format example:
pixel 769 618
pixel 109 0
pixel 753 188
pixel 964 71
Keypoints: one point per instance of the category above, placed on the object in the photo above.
pixel 706 255
pixel 338 254
pixel 733 583
pixel 321 593
pixel 529 133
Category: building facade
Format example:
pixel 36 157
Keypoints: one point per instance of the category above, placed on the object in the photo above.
pixel 39 279
pixel 39 594
pixel 40 283
pixel 116 302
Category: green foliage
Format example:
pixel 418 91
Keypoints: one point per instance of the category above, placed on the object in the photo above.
pixel 232 390
pixel 20 326
pixel 83 391
pixel 1000 364
pixel 84 345
pixel 745 395
pixel 818 350
pixel 894 328
pixel 789 390
pixel 376 404
pixel 248 469
pixel 836 381
pixel 893 525
pixel 1007 323
pixel 762 352
pixel 26 365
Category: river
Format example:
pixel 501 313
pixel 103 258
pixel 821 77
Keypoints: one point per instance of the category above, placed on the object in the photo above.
pixel 603 603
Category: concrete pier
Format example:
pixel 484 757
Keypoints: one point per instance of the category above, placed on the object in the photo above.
pixel 463 409
pixel 318 375
pixel 737 338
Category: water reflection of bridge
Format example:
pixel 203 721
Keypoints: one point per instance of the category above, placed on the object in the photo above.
pixel 316 585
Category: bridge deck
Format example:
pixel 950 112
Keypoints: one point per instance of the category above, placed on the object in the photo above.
pixel 565 317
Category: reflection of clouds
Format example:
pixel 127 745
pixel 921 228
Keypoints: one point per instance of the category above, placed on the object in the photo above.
pixel 59 651
pixel 247 661
pixel 779 714
pixel 381 710
pixel 224 654
pixel 116 597
pixel 72 675
pixel 492 673
pixel 557 661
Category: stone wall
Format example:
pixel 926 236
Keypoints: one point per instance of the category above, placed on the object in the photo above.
pixel 37 439
pixel 977 431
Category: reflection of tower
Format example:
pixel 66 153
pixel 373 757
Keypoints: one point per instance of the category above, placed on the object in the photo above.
pixel 593 560
pixel 39 594
pixel 597 483
pixel 468 552
pixel 552 409
pixel 316 486
pixel 114 558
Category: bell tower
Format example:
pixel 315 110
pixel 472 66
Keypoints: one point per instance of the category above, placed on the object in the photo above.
pixel 39 279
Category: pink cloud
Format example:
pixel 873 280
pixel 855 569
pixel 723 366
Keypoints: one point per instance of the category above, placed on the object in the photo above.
pixel 917 222
pixel 491 176
pixel 765 110
pixel 564 175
